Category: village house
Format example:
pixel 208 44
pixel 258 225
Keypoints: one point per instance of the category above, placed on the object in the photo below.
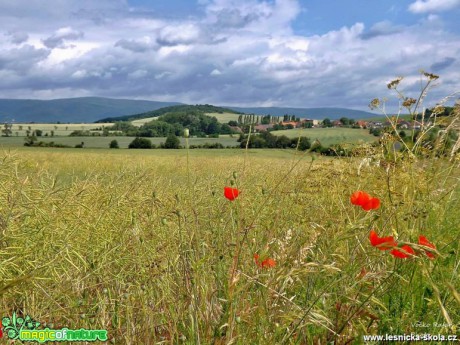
pixel 260 128
pixel 362 124
pixel 292 123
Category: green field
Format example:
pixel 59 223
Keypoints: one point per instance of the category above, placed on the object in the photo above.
pixel 143 244
pixel 62 129
pixel 140 122
pixel 329 136
pixel 103 142
pixel 224 117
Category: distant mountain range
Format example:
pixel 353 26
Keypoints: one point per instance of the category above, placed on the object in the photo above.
pixel 92 109
pixel 73 110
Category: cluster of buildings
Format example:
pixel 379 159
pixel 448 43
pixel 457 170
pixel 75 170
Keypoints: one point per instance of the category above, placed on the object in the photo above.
pixel 309 123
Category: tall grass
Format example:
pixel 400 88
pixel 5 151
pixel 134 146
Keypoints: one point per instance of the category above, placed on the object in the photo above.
pixel 147 247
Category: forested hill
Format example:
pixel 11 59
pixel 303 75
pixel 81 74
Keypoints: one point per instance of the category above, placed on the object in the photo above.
pixel 202 108
pixel 73 110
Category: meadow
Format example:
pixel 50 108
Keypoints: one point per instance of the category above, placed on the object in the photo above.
pixel 104 142
pixel 330 136
pixel 61 129
pixel 327 136
pixel 144 244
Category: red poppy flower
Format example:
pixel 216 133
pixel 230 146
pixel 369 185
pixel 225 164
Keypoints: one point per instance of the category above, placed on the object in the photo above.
pixel 382 243
pixel 231 193
pixel 364 200
pixel 404 252
pixel 371 204
pixel 359 198
pixel 423 241
pixel 267 263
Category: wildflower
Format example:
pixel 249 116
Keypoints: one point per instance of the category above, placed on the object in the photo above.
pixel 231 193
pixel 359 198
pixel 375 103
pixel 422 240
pixel 404 252
pixel 394 83
pixel 364 200
pixel 371 204
pixel 382 243
pixel 408 102
pixel 267 263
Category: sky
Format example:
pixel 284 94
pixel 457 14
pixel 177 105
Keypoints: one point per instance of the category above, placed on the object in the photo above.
pixel 287 53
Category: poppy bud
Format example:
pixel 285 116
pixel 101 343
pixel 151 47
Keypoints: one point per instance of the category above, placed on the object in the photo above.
pixel 235 175
pixel 186 133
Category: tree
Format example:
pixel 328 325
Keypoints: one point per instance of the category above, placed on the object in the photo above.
pixel 172 142
pixel 38 132
pixel 283 142
pixel 7 130
pixel 345 121
pixel 327 122
pixel 140 143
pixel 30 140
pixel 304 144
pixel 114 144
pixel 233 123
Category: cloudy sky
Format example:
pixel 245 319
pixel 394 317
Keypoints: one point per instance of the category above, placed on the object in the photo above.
pixel 298 53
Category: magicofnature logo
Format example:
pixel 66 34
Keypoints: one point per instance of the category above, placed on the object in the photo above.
pixel 27 329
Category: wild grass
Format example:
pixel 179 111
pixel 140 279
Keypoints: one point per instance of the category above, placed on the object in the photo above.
pixel 146 246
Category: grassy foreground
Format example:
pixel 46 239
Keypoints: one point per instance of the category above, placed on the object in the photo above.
pixel 146 246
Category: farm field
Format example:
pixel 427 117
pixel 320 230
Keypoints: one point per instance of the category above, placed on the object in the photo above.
pixel 103 142
pixel 329 136
pixel 144 244
pixel 140 122
pixel 224 117
pixel 62 129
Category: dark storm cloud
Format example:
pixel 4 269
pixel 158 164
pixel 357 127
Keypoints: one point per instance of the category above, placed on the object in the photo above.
pixel 17 37
pixel 58 39
pixel 22 59
pixel 443 64
pixel 137 46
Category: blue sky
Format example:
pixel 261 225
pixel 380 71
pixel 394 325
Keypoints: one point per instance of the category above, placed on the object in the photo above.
pixel 292 53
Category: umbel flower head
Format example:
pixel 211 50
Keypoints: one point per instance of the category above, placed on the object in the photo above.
pixel 231 193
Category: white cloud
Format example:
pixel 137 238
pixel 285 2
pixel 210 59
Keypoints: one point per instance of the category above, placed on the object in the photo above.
pixel 422 6
pixel 251 57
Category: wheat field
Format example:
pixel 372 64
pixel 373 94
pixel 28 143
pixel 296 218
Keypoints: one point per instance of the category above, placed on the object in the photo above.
pixel 146 246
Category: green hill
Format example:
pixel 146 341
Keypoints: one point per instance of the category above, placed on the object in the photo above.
pixel 204 108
